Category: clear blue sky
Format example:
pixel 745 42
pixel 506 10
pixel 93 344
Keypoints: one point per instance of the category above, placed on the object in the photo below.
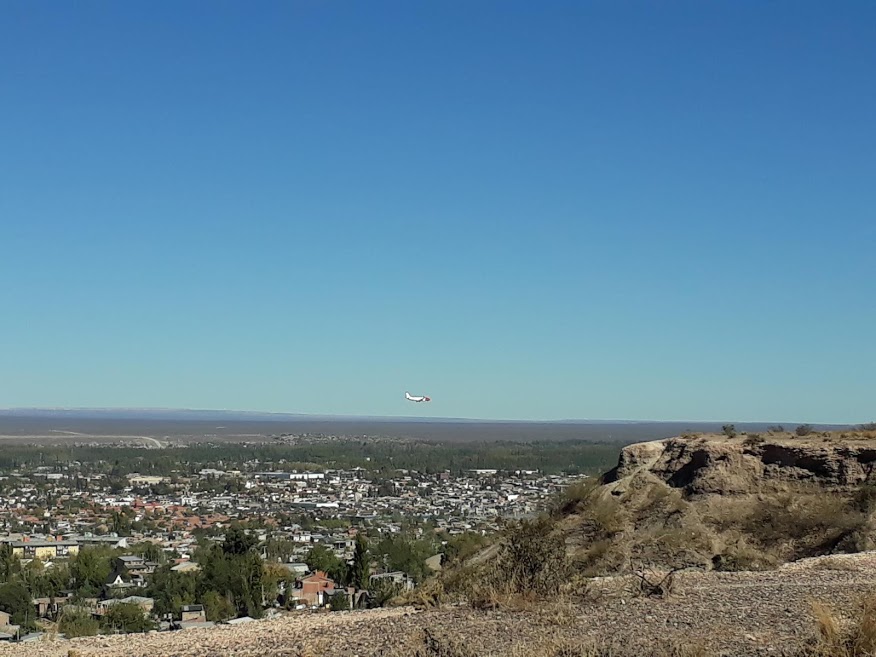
pixel 641 210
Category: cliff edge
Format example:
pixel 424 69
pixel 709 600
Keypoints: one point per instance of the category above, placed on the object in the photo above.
pixel 745 502
pixel 715 464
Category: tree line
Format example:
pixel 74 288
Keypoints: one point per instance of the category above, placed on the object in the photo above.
pixel 574 456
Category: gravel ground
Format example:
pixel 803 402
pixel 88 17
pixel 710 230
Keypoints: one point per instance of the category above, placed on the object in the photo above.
pixel 737 614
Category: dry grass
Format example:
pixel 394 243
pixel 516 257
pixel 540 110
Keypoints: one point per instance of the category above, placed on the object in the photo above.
pixel 431 593
pixel 845 637
pixel 651 523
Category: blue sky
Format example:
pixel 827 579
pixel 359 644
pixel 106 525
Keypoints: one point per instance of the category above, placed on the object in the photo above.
pixel 526 210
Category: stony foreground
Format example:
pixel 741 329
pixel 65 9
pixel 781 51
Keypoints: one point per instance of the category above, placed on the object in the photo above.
pixel 732 613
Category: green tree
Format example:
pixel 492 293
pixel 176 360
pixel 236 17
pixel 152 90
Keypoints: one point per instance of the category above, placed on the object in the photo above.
pixel 9 563
pixel 237 541
pixel 400 553
pixel 360 569
pixel 217 607
pixel 149 551
pixel 321 558
pixel 340 602
pixel 15 600
pixel 89 570
pixel 77 623
pixel 126 617
pixel 171 590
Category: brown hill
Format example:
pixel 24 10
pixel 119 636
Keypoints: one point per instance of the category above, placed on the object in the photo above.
pixel 716 502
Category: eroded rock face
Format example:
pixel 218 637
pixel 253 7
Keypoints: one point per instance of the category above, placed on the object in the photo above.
pixel 721 465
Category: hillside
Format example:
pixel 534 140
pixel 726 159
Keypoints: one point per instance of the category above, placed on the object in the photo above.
pixel 714 502
pixel 773 536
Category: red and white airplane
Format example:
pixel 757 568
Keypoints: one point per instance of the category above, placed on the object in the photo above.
pixel 412 398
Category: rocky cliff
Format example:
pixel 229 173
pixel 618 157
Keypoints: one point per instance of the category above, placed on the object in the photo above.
pixel 745 464
pixel 727 503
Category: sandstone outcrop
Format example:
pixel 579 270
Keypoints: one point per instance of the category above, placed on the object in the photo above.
pixel 745 464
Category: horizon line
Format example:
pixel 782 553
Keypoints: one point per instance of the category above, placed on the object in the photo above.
pixel 287 414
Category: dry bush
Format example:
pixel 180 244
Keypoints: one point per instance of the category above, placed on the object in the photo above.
pixel 532 559
pixel 691 545
pixel 653 583
pixel 810 524
pixel 600 557
pixel 602 515
pixel 737 554
pixel 652 500
pixel 491 598
pixel 853 637
pixel 431 593
pixel 760 531
pixel 573 497
pixel 648 522
pixel 562 612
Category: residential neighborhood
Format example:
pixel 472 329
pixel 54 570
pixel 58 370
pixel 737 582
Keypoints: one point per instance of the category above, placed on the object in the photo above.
pixel 150 524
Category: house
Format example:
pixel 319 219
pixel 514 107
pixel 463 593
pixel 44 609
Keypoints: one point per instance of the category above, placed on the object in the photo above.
pixel 296 567
pixel 343 544
pixel 129 572
pixel 8 632
pixel 397 578
pixel 186 566
pixel 44 550
pixel 313 588
pixel 51 607
pixel 193 614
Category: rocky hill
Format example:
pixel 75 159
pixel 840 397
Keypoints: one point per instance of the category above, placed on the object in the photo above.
pixel 726 503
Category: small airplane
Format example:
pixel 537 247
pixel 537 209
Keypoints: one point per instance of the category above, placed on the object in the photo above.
pixel 412 398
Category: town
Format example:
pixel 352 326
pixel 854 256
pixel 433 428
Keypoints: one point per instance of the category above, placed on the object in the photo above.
pixel 112 551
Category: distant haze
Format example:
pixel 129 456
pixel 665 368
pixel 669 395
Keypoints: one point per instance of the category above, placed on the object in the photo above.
pixel 181 426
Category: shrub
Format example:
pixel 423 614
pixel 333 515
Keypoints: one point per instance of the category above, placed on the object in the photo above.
pixel 753 439
pixel 529 562
pixel 77 623
pixel 729 430
pixel 854 639
pixel 803 430
pixel 126 617
pixel 573 497
pixel 534 557
pixel 864 498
